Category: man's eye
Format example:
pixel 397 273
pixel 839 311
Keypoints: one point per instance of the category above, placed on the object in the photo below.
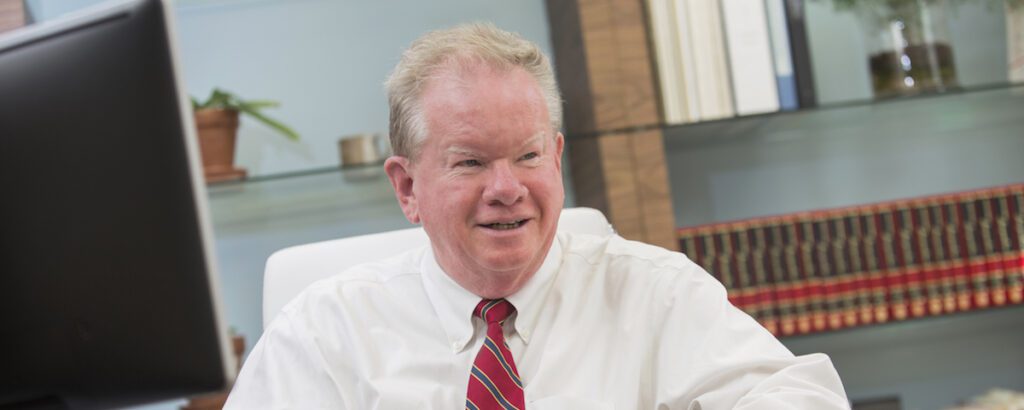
pixel 468 163
pixel 531 155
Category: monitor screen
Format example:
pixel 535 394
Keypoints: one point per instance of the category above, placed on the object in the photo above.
pixel 108 293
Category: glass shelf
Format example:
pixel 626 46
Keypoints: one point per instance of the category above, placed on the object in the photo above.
pixel 855 154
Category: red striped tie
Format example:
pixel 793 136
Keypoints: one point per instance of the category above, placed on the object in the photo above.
pixel 494 381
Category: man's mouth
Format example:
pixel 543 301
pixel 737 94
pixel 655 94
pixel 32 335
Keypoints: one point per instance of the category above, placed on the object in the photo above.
pixel 504 226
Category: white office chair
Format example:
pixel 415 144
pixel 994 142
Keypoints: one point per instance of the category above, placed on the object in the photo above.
pixel 290 270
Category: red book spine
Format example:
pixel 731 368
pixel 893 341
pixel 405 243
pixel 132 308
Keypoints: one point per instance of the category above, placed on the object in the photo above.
pixel 855 254
pixel 994 251
pixel 740 261
pixel 723 265
pixel 815 313
pixel 843 270
pixel 765 282
pixel 783 263
pixel 874 263
pixel 942 240
pixel 1015 225
pixel 927 258
pixel 910 260
pixel 962 266
pixel 801 284
pixel 975 255
pixel 894 280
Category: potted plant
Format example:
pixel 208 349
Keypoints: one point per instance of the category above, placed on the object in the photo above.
pixel 217 125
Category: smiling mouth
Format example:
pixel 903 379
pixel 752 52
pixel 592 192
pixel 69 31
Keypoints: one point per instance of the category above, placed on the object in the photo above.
pixel 504 226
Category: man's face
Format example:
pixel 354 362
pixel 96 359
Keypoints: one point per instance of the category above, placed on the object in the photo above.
pixel 486 182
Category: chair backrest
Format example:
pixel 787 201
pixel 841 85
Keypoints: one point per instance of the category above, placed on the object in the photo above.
pixel 290 270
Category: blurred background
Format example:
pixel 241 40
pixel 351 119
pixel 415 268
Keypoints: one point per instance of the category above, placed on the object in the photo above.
pixel 816 105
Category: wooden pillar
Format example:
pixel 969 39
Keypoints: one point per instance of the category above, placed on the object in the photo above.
pixel 615 147
pixel 12 15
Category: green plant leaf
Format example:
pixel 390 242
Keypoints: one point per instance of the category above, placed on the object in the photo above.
pixel 226 100
pixel 261 104
pixel 270 122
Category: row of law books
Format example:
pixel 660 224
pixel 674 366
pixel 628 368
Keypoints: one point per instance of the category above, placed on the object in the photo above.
pixel 722 58
pixel 826 270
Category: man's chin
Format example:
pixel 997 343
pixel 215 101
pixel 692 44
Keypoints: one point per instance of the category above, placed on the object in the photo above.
pixel 510 262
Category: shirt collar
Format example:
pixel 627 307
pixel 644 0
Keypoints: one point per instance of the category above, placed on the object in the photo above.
pixel 454 305
pixel 530 298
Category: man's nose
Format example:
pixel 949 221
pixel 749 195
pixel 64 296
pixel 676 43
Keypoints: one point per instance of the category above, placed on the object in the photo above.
pixel 503 186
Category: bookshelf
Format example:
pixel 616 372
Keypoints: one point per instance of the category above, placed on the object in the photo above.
pixel 841 147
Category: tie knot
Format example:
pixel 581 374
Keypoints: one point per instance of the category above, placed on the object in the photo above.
pixel 494 311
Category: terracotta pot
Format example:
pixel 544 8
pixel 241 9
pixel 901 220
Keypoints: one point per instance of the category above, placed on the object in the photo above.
pixel 217 129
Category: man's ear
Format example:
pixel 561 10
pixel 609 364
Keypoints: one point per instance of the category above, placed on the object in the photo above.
pixel 559 146
pixel 400 174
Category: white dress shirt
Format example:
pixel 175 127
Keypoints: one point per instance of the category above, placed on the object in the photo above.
pixel 605 323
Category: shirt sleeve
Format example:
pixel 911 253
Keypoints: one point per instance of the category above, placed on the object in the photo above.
pixel 284 372
pixel 725 359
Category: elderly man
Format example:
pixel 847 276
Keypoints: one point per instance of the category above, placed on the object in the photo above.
pixel 500 312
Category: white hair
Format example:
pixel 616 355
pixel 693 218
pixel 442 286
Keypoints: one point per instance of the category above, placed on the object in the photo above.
pixel 474 42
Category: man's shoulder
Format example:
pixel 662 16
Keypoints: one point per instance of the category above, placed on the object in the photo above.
pixel 616 249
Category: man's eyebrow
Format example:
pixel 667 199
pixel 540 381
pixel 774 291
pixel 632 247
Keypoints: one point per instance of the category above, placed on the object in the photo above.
pixel 464 150
pixel 460 150
pixel 535 138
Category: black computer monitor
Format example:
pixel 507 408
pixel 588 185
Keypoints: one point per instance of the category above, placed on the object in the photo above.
pixel 108 292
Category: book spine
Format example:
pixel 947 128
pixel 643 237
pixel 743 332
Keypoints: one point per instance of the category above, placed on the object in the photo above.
pixel 979 277
pixel 874 263
pixel 801 51
pixel 962 270
pixel 781 56
pixel 798 258
pixel 740 261
pixel 815 269
pixel 686 62
pixel 910 262
pixel 725 266
pixel 931 270
pixel 894 280
pixel 861 278
pixel 711 68
pixel 745 24
pixel 667 48
pixel 842 270
pixel 765 278
pixel 825 268
pixel 940 251
pixel 1015 225
pixel 778 254
pixel 989 226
